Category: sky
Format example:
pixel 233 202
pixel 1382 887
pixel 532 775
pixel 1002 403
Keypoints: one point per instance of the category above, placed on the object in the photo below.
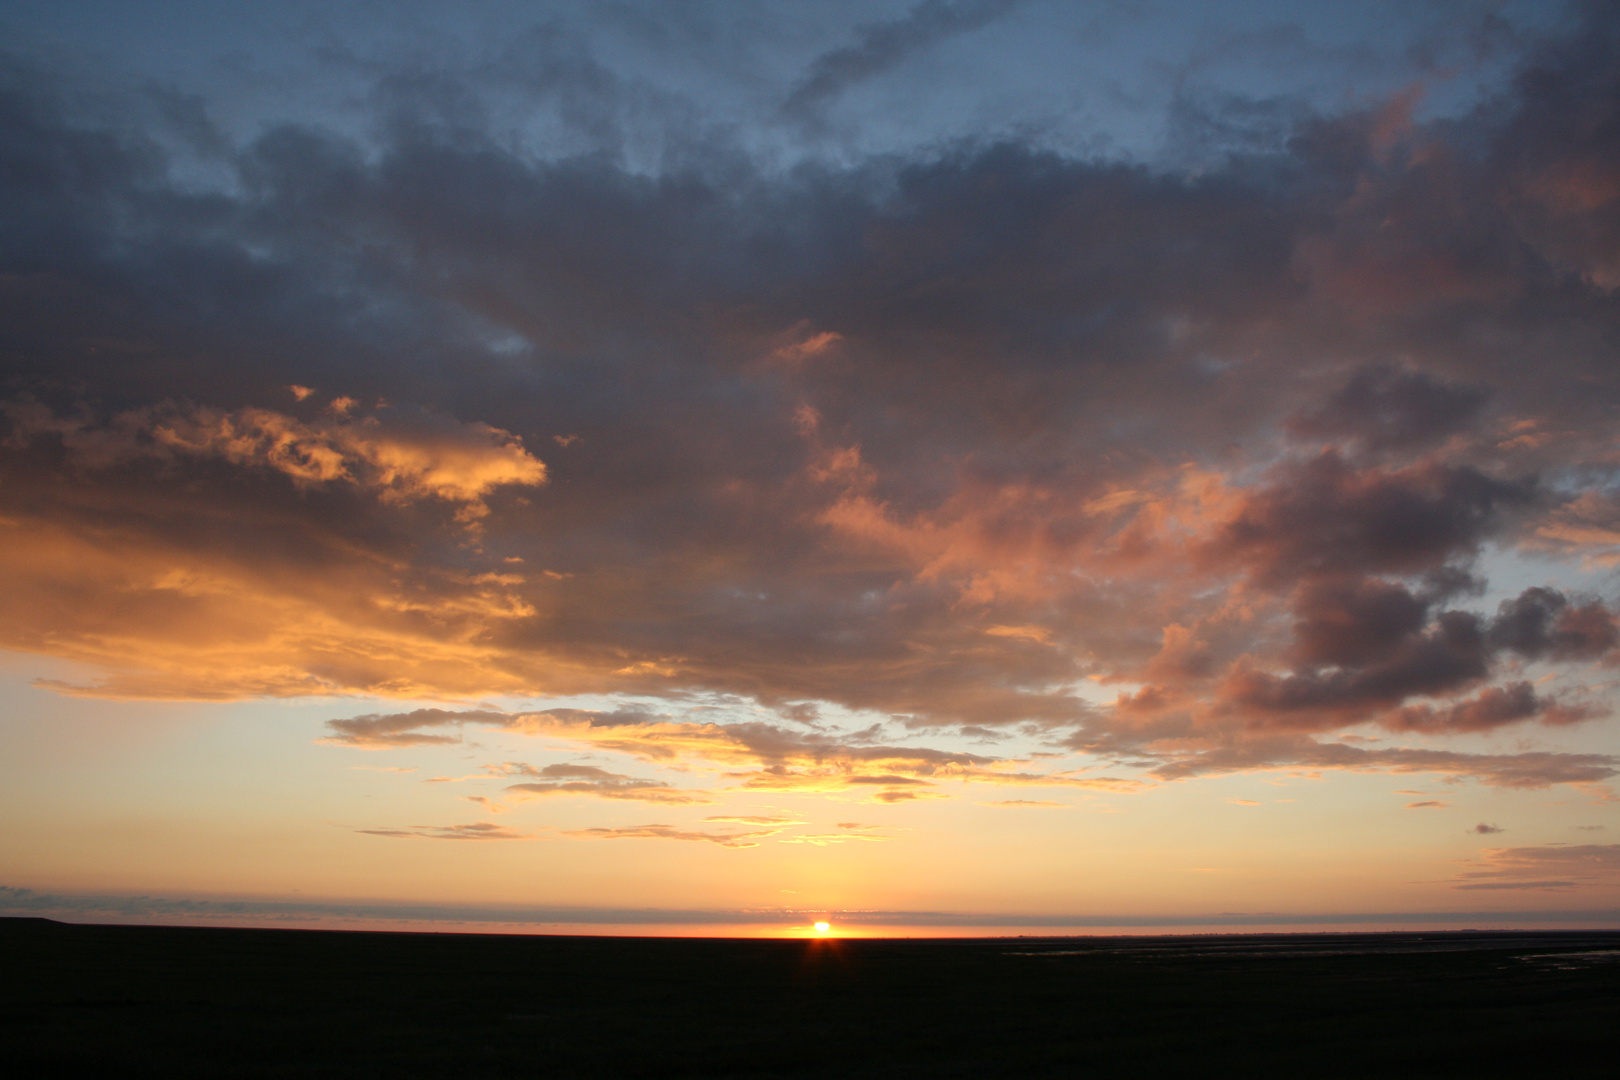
pixel 958 466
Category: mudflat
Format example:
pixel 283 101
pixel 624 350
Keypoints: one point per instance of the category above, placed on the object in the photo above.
pixel 122 1001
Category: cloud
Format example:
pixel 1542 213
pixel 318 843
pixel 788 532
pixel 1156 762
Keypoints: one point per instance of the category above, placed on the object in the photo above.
pixel 948 438
pixel 1586 526
pixel 565 779
pixel 1490 708
pixel 1534 769
pixel 1384 408
pixel 479 830
pixel 1541 622
pixel 827 839
pixel 1550 867
pixel 882 46
pixel 402 458
pixel 1324 515
pixel 384 731
pixel 1486 830
pixel 1426 804
pixel 670 832
pixel 761 756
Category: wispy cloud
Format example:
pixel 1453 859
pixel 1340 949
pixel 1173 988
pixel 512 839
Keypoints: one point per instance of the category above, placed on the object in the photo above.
pixel 565 779
pixel 881 46
pixel 479 830
pixel 670 832
pixel 1556 867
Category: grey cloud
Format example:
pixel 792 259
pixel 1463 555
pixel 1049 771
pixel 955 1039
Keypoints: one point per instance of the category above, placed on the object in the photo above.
pixel 1537 769
pixel 1324 516
pixel 1389 409
pixel 1493 707
pixel 1541 622
pixel 1351 623
pixel 1369 644
pixel 565 779
pixel 375 731
pixel 882 46
pixel 1450 656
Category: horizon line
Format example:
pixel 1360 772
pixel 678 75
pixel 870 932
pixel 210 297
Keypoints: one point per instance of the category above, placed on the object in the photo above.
pixel 24 902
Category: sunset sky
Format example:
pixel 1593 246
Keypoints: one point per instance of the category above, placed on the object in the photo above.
pixel 940 467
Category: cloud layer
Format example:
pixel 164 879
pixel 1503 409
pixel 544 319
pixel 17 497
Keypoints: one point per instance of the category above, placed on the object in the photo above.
pixel 1190 470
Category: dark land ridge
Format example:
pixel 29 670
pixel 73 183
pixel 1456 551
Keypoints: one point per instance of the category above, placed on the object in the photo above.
pixel 139 1001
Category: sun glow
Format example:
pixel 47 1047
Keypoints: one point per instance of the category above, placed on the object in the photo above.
pixel 822 928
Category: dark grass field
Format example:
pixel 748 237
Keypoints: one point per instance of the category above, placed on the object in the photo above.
pixel 119 1001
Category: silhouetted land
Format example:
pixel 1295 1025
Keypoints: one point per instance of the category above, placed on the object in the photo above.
pixel 120 1001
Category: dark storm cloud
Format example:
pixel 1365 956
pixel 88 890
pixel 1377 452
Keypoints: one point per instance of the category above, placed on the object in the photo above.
pixel 938 438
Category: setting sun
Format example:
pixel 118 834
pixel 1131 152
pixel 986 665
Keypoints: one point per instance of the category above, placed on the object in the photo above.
pixel 822 928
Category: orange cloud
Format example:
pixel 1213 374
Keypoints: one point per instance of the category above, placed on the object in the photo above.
pixel 400 458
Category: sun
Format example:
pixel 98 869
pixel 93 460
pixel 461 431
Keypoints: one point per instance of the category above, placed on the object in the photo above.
pixel 822 928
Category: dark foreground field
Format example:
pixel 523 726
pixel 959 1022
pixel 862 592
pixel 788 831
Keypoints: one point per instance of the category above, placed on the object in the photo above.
pixel 146 1001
